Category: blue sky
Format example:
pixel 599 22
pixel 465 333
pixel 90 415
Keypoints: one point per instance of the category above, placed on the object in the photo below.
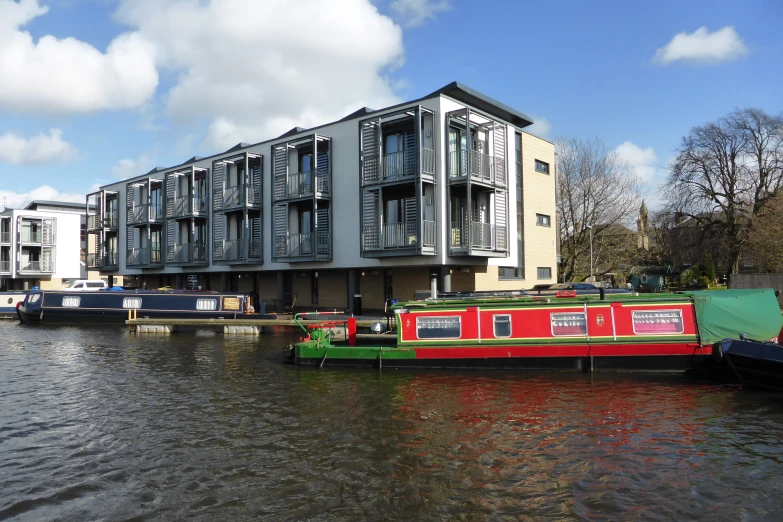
pixel 92 91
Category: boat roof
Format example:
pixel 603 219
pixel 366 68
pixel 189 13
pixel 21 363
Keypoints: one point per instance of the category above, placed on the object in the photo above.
pixel 536 300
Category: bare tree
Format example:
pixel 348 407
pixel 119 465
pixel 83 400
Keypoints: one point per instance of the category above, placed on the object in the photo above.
pixel 765 242
pixel 597 189
pixel 724 174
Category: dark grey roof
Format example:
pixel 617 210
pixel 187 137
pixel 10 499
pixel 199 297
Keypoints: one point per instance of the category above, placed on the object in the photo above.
pixel 68 204
pixel 364 111
pixel 153 171
pixel 484 103
pixel 295 130
pixel 238 146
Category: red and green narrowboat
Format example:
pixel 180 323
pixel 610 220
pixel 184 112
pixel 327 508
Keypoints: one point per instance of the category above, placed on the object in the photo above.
pixel 649 332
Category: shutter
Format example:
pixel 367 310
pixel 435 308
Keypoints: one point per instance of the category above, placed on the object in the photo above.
pixel 370 207
pixel 255 234
pixel 47 232
pixel 500 154
pixel 322 229
pixel 322 172
pixel 501 220
pixel 129 200
pixel 281 229
pixel 371 151
pixel 255 183
pixel 280 169
pixel 47 259
pixel 218 175
pixel 171 193
pixel 409 140
pixel 171 239
pixel 218 235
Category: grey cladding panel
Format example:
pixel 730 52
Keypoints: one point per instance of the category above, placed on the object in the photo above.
pixel 280 169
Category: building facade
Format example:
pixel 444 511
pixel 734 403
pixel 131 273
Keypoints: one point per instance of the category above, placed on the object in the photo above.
pixel 365 208
pixel 42 245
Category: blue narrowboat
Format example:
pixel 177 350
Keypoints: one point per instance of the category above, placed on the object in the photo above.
pixel 8 303
pixel 62 306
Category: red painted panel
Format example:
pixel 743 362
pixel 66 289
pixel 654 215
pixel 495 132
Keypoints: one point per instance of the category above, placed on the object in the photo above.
pixel 611 350
pixel 483 352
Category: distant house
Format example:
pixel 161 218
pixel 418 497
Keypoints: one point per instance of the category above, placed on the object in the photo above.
pixel 650 278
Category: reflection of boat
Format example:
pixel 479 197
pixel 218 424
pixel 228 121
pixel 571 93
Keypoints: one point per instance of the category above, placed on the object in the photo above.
pixel 110 306
pixel 8 302
pixel 624 332
pixel 756 364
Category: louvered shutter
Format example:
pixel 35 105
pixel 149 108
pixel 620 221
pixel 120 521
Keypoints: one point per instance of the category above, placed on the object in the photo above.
pixel 218 178
pixel 371 152
pixel 500 154
pixel 47 232
pixel 218 236
pixel 129 195
pixel 47 259
pixel 501 220
pixel 280 170
pixel 171 194
pixel 280 225
pixel 409 140
pixel 255 234
pixel 371 219
pixel 323 238
pixel 255 183
pixel 323 181
pixel 171 239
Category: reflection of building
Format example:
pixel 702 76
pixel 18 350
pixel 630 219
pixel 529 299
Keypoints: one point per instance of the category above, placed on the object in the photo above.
pixel 41 245
pixel 370 205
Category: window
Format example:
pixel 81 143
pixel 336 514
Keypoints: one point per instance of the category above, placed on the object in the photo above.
pixel 33 298
pixel 206 304
pixel 657 322
pixel 542 220
pixel 508 272
pixel 95 284
pixel 542 167
pixel 686 258
pixel 568 324
pixel 131 302
pixel 501 325
pixel 83 233
pixel 747 261
pixel 71 301
pixel 438 327
pixel 544 272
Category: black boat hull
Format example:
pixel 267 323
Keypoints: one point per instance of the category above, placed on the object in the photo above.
pixel 756 364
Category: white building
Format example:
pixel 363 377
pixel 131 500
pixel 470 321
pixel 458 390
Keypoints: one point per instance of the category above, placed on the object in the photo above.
pixel 371 205
pixel 41 245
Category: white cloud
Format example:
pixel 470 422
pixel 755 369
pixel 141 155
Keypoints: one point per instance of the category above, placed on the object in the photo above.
pixel 55 76
pixel 702 47
pixel 413 13
pixel 642 160
pixel 128 168
pixel 541 127
pixel 254 73
pixel 40 149
pixel 45 192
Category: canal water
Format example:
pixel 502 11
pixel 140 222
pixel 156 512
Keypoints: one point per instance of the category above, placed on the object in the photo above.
pixel 99 424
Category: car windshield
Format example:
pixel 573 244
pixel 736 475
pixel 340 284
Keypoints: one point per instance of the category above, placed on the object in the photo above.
pixel 560 286
pixel 73 284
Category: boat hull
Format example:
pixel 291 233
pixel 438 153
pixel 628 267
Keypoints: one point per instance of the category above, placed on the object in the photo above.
pixel 55 316
pixel 756 364
pixel 619 358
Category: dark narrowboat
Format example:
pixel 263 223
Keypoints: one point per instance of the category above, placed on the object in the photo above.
pixel 646 332
pixel 8 303
pixel 116 306
pixel 756 364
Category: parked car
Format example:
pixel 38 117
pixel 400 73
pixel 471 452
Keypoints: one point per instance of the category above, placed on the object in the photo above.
pixel 87 285
pixel 579 288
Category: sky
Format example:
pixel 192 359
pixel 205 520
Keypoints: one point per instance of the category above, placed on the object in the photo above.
pixel 95 91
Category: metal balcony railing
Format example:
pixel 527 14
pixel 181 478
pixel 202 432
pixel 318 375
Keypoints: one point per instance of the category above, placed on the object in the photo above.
pixel 199 252
pixel 178 253
pixel 36 266
pixel 396 165
pixel 93 222
pixel 482 167
pixel 145 213
pixel 428 233
pixel 299 184
pixel 5 267
pixel 227 249
pixel 138 256
pixel 111 219
pixel 484 236
pixel 232 196
pixel 30 235
pixel 296 245
pixel 5 236
pixel 399 235
pixel 182 206
pixel 254 249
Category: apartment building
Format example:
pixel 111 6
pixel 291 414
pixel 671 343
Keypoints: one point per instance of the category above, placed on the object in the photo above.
pixel 368 207
pixel 41 245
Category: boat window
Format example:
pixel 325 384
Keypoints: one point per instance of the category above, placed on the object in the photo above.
pixel 660 322
pixel 131 302
pixel 501 325
pixel 206 304
pixel 438 327
pixel 231 303
pixel 33 298
pixel 571 323
pixel 71 301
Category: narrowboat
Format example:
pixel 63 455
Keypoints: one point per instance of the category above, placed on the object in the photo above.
pixel 8 303
pixel 657 332
pixel 756 364
pixel 108 306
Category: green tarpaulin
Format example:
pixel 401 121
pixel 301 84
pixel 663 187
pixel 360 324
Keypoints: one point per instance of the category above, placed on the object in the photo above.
pixel 723 314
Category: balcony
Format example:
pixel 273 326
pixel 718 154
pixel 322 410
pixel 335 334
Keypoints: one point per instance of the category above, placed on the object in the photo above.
pixel 482 168
pixel 185 206
pixel 178 253
pixel 5 237
pixel 232 196
pixel 227 250
pixel 41 267
pixel 255 249
pixel 484 237
pixel 145 213
pixel 5 267
pixel 395 166
pixel 316 245
pixel 111 219
pixel 102 261
pixel 30 236
pixel 144 257
pixel 199 252
pixel 398 236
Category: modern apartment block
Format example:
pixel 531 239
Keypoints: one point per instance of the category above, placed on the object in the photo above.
pixel 372 205
pixel 41 245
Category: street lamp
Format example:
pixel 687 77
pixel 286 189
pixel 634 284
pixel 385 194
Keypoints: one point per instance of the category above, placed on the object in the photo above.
pixel 590 228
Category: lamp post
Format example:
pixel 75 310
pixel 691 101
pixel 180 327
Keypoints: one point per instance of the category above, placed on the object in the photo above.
pixel 590 228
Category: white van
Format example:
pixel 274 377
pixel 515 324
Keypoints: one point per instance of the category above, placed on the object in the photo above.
pixel 87 285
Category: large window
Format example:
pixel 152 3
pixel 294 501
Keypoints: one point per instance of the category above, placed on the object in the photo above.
pixel 544 272
pixel 71 301
pixel 206 304
pixel 438 327
pixel 542 220
pixel 569 324
pixel 542 167
pixel 501 325
pixel 657 322
pixel 131 302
